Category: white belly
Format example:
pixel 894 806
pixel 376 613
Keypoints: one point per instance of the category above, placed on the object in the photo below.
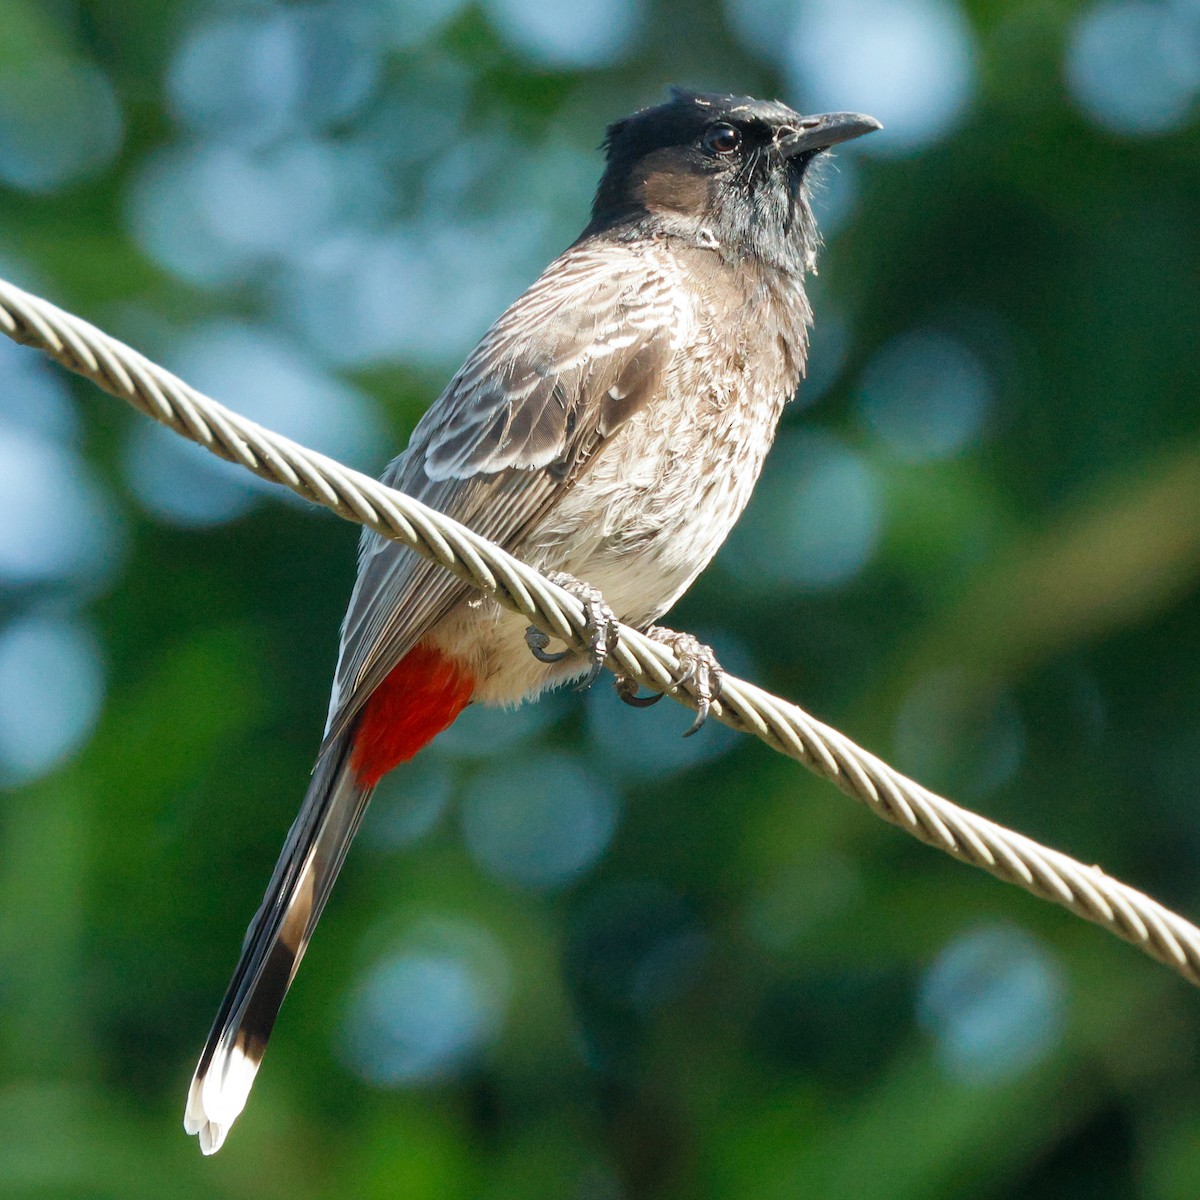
pixel 639 526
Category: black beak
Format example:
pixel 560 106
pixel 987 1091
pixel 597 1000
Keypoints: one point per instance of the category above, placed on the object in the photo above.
pixel 819 133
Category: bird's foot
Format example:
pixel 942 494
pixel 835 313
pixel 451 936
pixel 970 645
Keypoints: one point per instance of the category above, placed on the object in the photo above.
pixel 697 665
pixel 602 625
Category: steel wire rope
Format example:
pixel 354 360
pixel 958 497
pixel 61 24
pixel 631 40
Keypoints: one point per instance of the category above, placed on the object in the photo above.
pixel 1049 874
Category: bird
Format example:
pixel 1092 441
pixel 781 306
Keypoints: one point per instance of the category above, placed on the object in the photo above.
pixel 608 429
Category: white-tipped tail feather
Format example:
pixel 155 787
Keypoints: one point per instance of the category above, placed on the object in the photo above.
pixel 217 1097
pixel 275 942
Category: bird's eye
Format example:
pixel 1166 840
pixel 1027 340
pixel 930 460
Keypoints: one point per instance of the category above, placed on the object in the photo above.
pixel 722 138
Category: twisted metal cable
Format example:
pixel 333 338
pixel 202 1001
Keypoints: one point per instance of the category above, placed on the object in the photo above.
pixel 1086 891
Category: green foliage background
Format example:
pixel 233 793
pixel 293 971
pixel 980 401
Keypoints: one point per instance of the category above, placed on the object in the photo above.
pixel 1025 636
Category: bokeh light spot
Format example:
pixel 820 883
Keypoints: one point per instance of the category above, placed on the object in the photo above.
pixel 216 214
pixel 539 822
pixel 926 394
pixel 167 213
pixel 59 122
pixel 911 64
pixel 1134 68
pixel 815 518
pixel 252 77
pixel 408 804
pixel 51 692
pixel 268 380
pixel 993 1000
pixel 426 1008
pixel 587 33
pixel 180 483
pixel 424 291
pixel 57 523
pixel 34 398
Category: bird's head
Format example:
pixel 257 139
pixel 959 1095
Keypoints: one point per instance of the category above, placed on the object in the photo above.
pixel 727 172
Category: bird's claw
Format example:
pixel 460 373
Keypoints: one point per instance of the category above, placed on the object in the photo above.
pixel 627 690
pixel 698 666
pixel 537 641
pixel 601 629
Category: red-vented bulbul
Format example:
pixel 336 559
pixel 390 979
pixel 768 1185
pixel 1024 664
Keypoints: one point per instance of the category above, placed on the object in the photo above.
pixel 610 426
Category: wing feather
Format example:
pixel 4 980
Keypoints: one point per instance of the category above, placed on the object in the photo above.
pixel 549 385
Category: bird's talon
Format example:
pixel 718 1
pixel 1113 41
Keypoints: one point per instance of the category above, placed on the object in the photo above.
pixel 702 711
pixel 627 690
pixel 602 628
pixel 590 678
pixel 537 641
pixel 698 667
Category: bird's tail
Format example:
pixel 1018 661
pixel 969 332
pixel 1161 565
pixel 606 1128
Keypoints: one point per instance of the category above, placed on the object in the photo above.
pixel 423 693
pixel 275 942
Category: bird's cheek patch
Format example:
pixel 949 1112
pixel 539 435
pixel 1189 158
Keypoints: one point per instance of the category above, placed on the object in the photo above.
pixel 666 188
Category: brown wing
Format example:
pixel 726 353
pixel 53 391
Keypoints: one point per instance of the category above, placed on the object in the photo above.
pixel 550 383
